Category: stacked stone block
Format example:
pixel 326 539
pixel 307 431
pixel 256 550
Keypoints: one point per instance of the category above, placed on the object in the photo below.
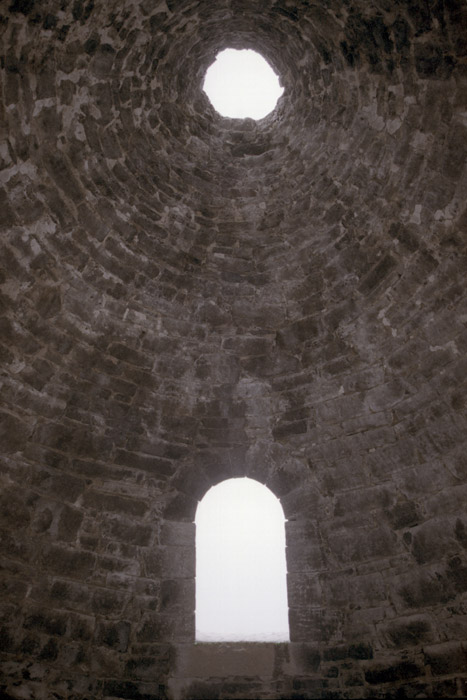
pixel 186 298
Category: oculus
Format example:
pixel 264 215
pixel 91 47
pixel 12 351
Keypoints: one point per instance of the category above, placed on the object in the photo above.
pixel 242 84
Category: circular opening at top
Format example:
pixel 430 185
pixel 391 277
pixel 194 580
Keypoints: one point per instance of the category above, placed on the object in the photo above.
pixel 242 84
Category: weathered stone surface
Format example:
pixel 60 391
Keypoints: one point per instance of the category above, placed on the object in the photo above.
pixel 65 561
pixel 126 530
pixel 410 631
pixel 114 503
pixel 221 660
pixel 156 628
pixel 115 635
pixel 396 672
pixel 186 298
pixel 148 667
pixel 354 651
pixel 13 433
pixel 305 658
pixel 171 562
pixel 445 659
pixel 177 595
pixel 177 534
pixel 47 622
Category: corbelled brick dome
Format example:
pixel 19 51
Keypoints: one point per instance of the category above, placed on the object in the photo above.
pixel 188 298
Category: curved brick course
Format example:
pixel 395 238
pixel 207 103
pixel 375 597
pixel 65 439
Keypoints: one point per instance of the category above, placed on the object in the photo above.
pixel 187 298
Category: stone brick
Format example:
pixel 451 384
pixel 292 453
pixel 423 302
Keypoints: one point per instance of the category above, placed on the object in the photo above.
pixel 312 625
pixel 363 500
pixel 445 659
pixel 49 651
pixel 162 468
pixel 153 666
pixel 13 433
pixel 354 651
pixel 305 557
pixel 300 502
pixel 170 562
pixel 73 439
pixel 224 659
pixel 49 302
pixel 427 588
pixel 403 515
pixel 177 534
pixel 115 564
pixel 431 540
pixel 456 574
pixel 304 590
pixel 128 690
pixel 124 529
pixel 69 594
pixel 362 544
pixel 140 585
pixel 107 602
pixel 346 588
pixel 444 689
pixel 29 646
pixel 50 623
pixel 402 671
pixel 66 487
pixel 14 512
pixel 187 298
pixel 181 508
pixel 63 561
pixel 177 595
pixel 156 628
pixel 81 627
pixel 114 503
pixel 114 634
pixel 69 523
pixel 410 631
pixel 305 658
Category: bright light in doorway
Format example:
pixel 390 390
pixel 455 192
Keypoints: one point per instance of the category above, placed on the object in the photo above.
pixel 242 84
pixel 241 586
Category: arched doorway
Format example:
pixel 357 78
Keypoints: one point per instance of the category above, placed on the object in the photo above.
pixel 241 586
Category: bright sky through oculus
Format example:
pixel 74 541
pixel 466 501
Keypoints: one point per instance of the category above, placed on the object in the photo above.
pixel 242 84
pixel 241 586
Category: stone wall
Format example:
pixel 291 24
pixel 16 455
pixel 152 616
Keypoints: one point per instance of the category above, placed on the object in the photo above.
pixel 187 298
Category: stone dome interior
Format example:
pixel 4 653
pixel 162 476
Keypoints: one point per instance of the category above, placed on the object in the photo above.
pixel 187 298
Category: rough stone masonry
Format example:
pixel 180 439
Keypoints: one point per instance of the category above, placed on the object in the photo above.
pixel 187 298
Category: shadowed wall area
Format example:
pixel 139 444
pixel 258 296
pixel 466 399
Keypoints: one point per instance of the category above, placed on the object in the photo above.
pixel 187 298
